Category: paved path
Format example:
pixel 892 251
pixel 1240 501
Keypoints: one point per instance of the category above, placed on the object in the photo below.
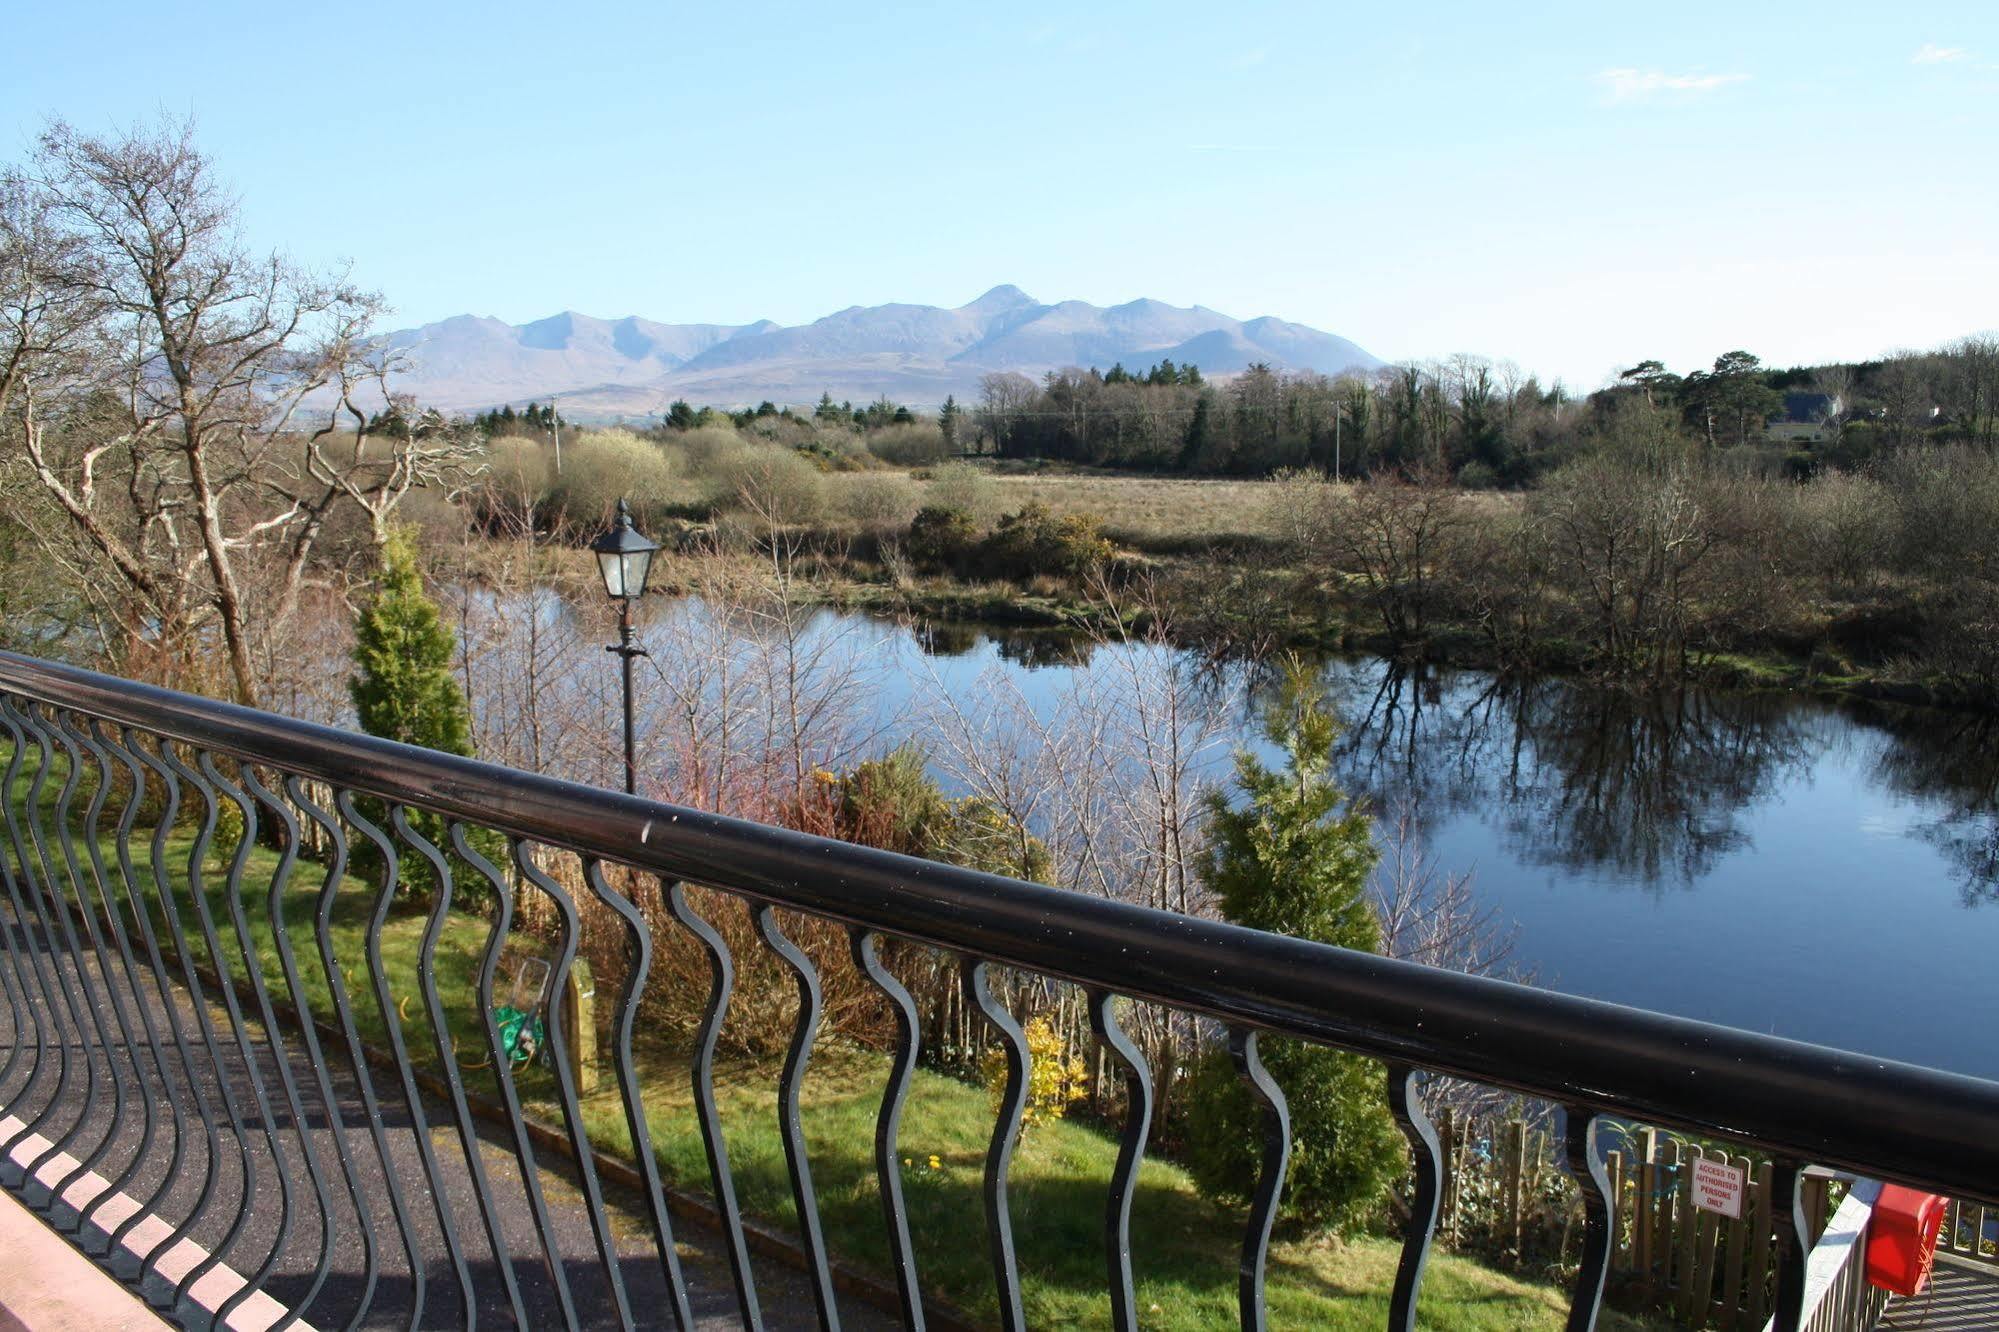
pixel 211 1186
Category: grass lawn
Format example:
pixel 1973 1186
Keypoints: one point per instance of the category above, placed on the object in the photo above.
pixel 1185 1247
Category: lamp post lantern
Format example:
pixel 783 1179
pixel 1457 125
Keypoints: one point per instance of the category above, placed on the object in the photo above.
pixel 624 557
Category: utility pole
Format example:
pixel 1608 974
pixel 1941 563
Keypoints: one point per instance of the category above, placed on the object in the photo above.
pixel 1339 415
pixel 555 424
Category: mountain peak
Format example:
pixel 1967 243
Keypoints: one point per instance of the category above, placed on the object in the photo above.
pixel 1004 297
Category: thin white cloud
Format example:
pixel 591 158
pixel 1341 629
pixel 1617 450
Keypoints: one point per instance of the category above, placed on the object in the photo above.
pixel 1932 54
pixel 1630 85
pixel 1250 59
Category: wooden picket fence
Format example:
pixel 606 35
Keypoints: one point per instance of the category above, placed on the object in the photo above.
pixel 1709 1270
pixel 1701 1268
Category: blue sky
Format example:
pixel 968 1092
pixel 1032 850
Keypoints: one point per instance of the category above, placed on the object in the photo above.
pixel 1570 186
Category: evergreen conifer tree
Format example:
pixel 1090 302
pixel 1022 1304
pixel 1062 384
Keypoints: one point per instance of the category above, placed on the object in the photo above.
pixel 404 688
pixel 1292 855
pixel 947 422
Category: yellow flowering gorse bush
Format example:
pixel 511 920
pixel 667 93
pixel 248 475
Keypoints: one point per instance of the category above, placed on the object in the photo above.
pixel 1055 1079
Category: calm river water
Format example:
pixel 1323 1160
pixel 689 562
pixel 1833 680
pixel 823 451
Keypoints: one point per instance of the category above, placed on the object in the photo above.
pixel 1824 872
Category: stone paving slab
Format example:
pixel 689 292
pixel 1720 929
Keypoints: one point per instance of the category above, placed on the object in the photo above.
pixel 47 1286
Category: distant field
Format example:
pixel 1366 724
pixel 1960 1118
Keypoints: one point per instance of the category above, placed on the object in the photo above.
pixel 1149 511
pixel 1163 515
pixel 1139 508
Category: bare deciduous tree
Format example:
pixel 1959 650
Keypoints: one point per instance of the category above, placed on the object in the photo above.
pixel 1003 397
pixel 156 374
pixel 1394 532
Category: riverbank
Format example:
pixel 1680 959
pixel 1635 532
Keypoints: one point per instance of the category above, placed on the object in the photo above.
pixel 1639 573
pixel 1347 629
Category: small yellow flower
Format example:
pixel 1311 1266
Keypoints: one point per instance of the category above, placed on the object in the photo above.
pixel 936 1163
pixel 906 1161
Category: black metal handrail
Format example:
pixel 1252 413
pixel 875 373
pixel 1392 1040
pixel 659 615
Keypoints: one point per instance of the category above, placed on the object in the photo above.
pixel 1801 1103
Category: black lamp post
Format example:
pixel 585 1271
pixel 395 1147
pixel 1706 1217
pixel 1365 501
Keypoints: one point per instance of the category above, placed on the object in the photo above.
pixel 624 557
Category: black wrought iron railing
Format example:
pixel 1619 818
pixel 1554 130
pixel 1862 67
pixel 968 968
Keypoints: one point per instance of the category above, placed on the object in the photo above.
pixel 208 1088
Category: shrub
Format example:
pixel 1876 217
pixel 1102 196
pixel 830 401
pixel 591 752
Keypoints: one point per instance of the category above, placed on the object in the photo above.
pixel 895 804
pixel 959 485
pixel 879 502
pixel 600 467
pixel 941 538
pixel 1056 1079
pixel 1844 524
pixel 1298 505
pixel 775 486
pixel 1946 506
pixel 705 446
pixel 1477 475
pixel 517 469
pixel 1033 542
pixel 910 445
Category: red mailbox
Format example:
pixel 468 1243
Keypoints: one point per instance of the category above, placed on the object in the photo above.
pixel 1902 1238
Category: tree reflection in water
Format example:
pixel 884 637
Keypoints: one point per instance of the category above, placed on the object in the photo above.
pixel 1629 788
pixel 1649 786
pixel 1951 762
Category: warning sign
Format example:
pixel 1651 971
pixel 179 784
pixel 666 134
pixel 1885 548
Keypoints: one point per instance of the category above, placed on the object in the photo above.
pixel 1718 1187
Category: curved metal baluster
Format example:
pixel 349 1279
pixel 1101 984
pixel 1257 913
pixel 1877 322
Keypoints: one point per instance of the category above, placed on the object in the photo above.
pixel 47 898
pixel 1269 1182
pixel 888 1122
pixel 1130 1154
pixel 155 967
pixel 343 1012
pixel 1585 1164
pixel 1421 1228
pixel 503 1072
pixel 226 987
pixel 253 968
pixel 1006 1132
pixel 1794 1242
pixel 127 1041
pixel 93 740
pixel 628 1084
pixel 23 1019
pixel 392 1025
pixel 287 825
pixel 722 980
pixel 802 1032
pixel 48 1031
pixel 22 1011
pixel 447 1055
pixel 45 723
pixel 565 1084
pixel 198 1076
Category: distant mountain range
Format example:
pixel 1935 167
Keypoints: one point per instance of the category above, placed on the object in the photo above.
pixel 916 354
